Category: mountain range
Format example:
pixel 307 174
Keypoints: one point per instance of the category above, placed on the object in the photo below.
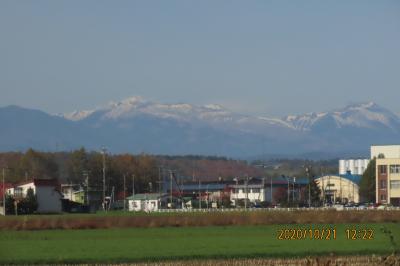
pixel 136 125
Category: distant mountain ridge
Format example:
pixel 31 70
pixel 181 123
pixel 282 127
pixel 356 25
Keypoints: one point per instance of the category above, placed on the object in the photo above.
pixel 137 125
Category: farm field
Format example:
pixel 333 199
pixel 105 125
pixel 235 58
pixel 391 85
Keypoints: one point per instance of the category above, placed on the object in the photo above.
pixel 120 245
pixel 183 219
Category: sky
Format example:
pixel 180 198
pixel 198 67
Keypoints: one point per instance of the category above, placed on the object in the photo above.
pixel 256 57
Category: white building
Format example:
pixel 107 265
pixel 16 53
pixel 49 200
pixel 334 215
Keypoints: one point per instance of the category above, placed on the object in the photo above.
pixel 385 151
pixel 354 166
pixel 339 187
pixel 149 202
pixel 46 191
pixel 253 192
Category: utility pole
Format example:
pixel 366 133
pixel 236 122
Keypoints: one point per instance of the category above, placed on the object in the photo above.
pixel 271 189
pixel 199 194
pixel 288 190
pixel 247 192
pixel 86 174
pixel 341 196
pixel 124 191
pixel 207 195
pixel 170 188
pixel 237 191
pixel 294 181
pixel 133 185
pixel 4 191
pixel 309 187
pixel 103 150
pixel 323 190
pixel 159 181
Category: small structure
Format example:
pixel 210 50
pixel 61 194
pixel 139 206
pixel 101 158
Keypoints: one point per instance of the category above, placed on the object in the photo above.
pixel 47 192
pixel 149 202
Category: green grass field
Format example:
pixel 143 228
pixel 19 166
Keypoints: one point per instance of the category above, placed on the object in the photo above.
pixel 168 243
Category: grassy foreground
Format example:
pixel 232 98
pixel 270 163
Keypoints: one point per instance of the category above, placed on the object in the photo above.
pixel 169 243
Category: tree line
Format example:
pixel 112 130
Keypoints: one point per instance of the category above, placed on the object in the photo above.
pixel 79 165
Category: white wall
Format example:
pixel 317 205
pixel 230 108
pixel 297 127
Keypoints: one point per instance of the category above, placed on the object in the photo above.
pixel 143 205
pixel 239 193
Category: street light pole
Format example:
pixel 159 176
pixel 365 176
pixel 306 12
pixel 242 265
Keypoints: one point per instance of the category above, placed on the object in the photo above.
pixel 104 177
pixel 247 192
pixel 271 190
pixel 309 187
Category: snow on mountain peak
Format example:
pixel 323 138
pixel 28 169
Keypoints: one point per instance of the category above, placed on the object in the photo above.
pixel 359 106
pixel 214 107
pixel 364 115
pixel 78 115
pixel 127 103
pixel 359 115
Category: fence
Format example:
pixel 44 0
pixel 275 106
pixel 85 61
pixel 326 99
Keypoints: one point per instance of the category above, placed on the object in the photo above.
pixel 277 209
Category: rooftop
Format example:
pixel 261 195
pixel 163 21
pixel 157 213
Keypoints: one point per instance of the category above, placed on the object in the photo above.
pixel 145 196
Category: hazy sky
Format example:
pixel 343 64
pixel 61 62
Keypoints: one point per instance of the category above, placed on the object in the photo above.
pixel 262 57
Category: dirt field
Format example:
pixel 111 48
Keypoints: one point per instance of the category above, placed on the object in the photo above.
pixel 310 261
pixel 66 221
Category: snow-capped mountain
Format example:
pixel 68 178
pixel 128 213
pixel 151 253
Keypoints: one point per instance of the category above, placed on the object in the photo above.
pixel 213 115
pixel 138 125
pixel 364 115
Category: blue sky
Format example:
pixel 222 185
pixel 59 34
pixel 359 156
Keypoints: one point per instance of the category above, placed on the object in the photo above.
pixel 258 57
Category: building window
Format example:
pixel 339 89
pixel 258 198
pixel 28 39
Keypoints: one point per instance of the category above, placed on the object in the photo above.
pixel 382 169
pixel 394 184
pixel 383 197
pixel 395 169
pixel 383 184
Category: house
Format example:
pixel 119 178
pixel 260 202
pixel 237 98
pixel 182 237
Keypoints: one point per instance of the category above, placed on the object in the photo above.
pixel 258 190
pixel 47 192
pixel 208 192
pixel 83 195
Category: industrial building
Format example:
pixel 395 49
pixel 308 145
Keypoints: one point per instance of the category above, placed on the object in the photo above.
pixel 339 188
